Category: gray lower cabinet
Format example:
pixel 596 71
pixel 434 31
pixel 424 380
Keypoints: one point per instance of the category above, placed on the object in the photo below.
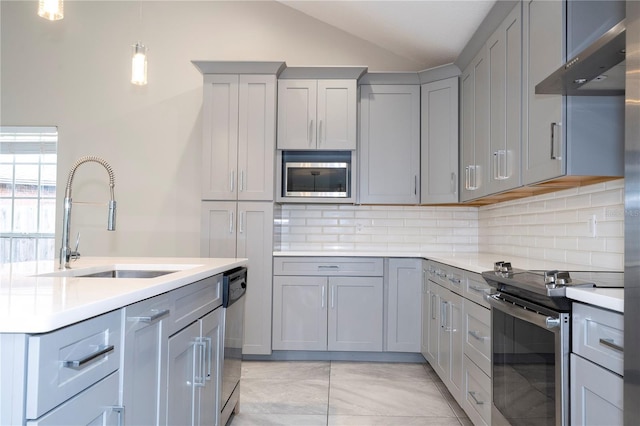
pixel 327 313
pixel 194 359
pixel 326 303
pixel 596 366
pixel 403 290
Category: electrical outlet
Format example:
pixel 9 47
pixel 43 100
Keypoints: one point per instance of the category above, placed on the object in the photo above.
pixel 593 226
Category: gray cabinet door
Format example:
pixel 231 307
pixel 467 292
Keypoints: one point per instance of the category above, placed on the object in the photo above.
pixel 255 242
pixel 218 229
pixel 439 142
pixel 297 102
pixel 256 137
pixel 337 114
pixel 433 325
pixel 544 148
pixel 389 144
pixel 183 376
pixel 403 305
pixel 355 314
pixel 474 167
pixel 300 313
pixel 212 344
pixel 504 55
pixel 220 137
pixel 144 360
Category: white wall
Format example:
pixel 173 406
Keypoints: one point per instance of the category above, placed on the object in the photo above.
pixel 75 74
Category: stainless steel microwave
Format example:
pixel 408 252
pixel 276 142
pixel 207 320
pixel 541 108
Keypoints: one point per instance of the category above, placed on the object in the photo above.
pixel 319 174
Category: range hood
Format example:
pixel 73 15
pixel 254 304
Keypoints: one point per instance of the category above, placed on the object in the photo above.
pixel 599 70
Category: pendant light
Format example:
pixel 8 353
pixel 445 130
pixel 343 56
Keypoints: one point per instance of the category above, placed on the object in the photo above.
pixel 52 10
pixel 139 64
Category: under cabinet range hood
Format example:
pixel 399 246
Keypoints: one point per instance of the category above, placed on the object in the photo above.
pixel 599 70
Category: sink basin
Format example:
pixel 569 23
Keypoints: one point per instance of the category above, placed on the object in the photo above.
pixel 125 273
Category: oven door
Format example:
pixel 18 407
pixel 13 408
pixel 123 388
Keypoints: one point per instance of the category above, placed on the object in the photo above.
pixel 530 360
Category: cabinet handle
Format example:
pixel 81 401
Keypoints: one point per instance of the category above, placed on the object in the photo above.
pixel 609 343
pixel 443 314
pixel 155 316
pixel 333 297
pixel 102 350
pixel 475 177
pixel 478 289
pixel 198 359
pixel 476 335
pixel 328 266
pixel 455 280
pixel 433 306
pixel 311 132
pixel 454 183
pixel 241 225
pixel 472 394
pixel 553 143
pixel 415 185
pixel 209 349
pixel 320 132
pixel 322 297
pixel 232 179
pixel 467 178
pixel 241 185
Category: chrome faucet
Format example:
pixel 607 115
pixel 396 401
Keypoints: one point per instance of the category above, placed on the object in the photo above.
pixel 65 250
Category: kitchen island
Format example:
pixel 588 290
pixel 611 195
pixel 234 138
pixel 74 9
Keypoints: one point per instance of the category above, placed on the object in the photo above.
pixel 75 348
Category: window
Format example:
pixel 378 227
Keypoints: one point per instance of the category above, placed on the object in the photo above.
pixel 27 193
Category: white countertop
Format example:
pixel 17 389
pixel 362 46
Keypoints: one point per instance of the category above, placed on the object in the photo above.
pixel 32 303
pixel 608 298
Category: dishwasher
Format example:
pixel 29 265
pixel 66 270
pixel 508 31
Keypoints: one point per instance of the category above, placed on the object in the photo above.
pixel 234 288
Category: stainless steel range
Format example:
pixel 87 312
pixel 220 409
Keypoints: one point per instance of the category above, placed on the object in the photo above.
pixel 530 322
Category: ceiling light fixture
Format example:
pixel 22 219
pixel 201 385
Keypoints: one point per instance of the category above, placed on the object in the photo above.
pixel 52 10
pixel 139 64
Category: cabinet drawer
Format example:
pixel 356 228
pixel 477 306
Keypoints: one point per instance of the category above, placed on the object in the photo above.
pixel 477 335
pixel 596 394
pixel 475 287
pixel 193 301
pixel 66 361
pixel 329 266
pixel 477 393
pixel 598 335
pixel 96 405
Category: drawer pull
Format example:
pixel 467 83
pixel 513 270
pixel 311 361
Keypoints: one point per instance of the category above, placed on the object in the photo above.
pixel 609 343
pixel 472 394
pixel 102 350
pixel 454 280
pixel 328 267
pixel 151 318
pixel 477 289
pixel 477 335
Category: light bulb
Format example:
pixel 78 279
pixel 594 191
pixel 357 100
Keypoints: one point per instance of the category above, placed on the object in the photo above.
pixel 52 10
pixel 139 65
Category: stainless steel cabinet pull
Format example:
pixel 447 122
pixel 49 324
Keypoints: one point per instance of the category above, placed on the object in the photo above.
pixel 155 316
pixel 241 186
pixel 232 179
pixel 454 183
pixel 454 280
pixel 554 156
pixel 209 350
pixel 472 394
pixel 328 266
pixel 198 359
pixel 333 297
pixel 311 132
pixel 478 289
pixel 320 132
pixel 322 297
pixel 241 226
pixel 467 178
pixel 102 350
pixel 433 306
pixel 477 335
pixel 609 343
pixel 415 185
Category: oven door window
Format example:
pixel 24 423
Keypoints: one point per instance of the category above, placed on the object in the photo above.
pixel 523 371
pixel 317 181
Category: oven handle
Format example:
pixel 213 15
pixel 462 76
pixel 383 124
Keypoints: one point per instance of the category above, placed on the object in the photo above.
pixel 543 321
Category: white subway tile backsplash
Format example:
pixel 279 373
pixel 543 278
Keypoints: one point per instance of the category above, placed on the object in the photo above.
pixel 553 226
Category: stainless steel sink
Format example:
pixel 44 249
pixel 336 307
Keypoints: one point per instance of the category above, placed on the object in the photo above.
pixel 125 273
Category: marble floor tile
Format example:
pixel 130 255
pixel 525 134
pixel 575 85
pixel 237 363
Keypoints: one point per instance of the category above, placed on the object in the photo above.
pixel 391 421
pixel 307 370
pixel 245 419
pixel 378 371
pixel 284 396
pixel 387 398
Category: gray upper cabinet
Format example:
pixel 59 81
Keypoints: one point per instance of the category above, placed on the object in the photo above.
pixel 504 56
pixel 317 114
pixel 239 117
pixel 389 144
pixel 474 138
pixel 543 52
pixel 439 142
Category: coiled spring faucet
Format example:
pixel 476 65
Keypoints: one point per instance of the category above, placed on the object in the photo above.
pixel 65 250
